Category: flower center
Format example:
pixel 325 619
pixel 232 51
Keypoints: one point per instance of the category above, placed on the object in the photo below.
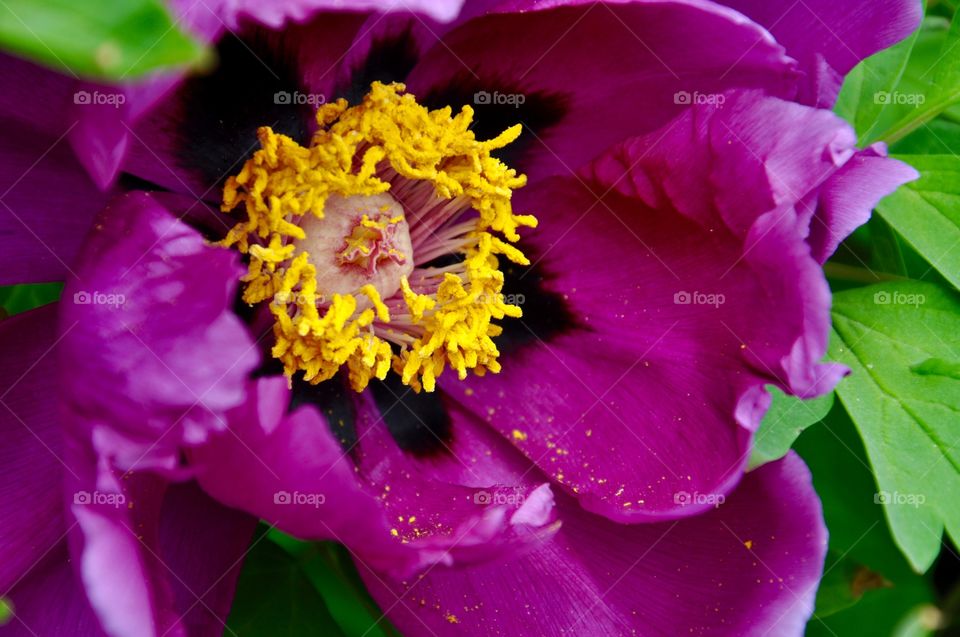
pixel 351 272
pixel 360 240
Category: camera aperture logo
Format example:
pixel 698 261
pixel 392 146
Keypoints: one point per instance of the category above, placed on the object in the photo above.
pixel 916 500
pixel 99 98
pixel 497 98
pixel 299 499
pixel 98 298
pixel 285 298
pixel 115 500
pixel 696 98
pixel 299 99
pixel 499 498
pixel 699 298
pixel 685 498
pixel 915 100
pixel 899 298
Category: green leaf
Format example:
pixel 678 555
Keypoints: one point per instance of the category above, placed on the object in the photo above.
pixel 6 611
pixel 939 137
pixel 937 367
pixel 331 571
pixel 274 598
pixel 860 100
pixel 887 254
pixel 929 85
pixel 15 299
pixel 844 582
pixel 859 538
pixel 921 622
pixel 926 212
pixel 908 421
pixel 119 42
pixel 787 417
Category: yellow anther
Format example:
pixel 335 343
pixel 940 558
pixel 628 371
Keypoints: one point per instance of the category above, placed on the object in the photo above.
pixel 349 153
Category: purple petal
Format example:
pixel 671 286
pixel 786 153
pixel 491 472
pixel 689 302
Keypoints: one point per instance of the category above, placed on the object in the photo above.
pixel 277 13
pixel 36 96
pixel 154 559
pixel 49 601
pixel 103 116
pixel 32 448
pixel 152 354
pixel 41 225
pixel 754 178
pixel 204 544
pixel 592 73
pixel 849 196
pixel 669 289
pixel 751 567
pixel 289 470
pixel 829 38
pixel 268 459
pixel 395 41
pixel 100 135
pixel 142 566
pixel 449 499
pixel 204 131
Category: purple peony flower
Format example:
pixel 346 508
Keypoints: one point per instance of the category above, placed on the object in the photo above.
pixel 357 320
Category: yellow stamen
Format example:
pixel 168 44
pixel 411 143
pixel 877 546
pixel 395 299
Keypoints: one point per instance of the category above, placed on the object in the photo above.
pixel 284 181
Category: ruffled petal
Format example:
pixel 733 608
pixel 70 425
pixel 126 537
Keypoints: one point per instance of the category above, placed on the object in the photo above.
pixel 848 197
pixel 290 470
pixel 154 559
pixel 750 567
pixel 581 76
pixel 761 180
pixel 151 358
pixel 671 283
pixel 829 38
pixel 144 566
pixel 152 354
